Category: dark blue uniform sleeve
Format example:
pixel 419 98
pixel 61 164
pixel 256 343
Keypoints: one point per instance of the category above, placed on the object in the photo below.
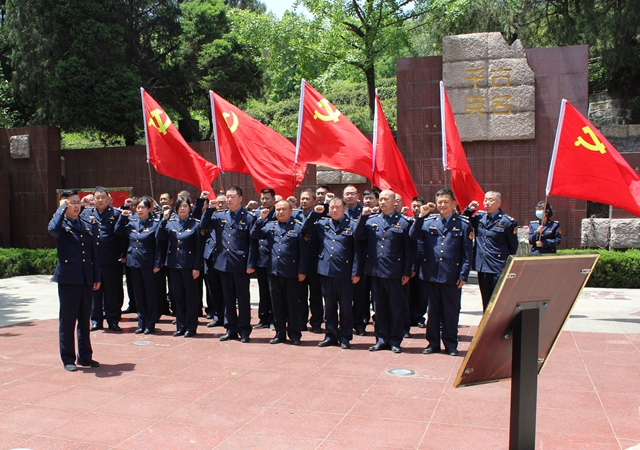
pixel 303 253
pixel 416 231
pixel 308 227
pixel 55 225
pixel 512 237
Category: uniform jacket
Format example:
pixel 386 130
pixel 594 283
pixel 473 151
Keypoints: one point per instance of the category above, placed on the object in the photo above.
pixel 496 239
pixel 355 213
pixel 339 251
pixel 185 243
pixel 389 251
pixel 313 242
pixel 447 250
pixel 263 255
pixel 288 251
pixel 111 247
pixel 234 251
pixel 551 236
pixel 143 251
pixel 77 250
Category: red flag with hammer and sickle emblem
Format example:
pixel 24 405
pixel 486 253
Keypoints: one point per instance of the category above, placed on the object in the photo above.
pixel 326 137
pixel 169 153
pixel 245 145
pixel 463 184
pixel 390 170
pixel 586 166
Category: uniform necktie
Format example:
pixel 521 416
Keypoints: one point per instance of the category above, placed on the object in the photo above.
pixel 444 222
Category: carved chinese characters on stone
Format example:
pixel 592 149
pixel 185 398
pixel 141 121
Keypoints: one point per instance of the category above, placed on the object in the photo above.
pixel 490 86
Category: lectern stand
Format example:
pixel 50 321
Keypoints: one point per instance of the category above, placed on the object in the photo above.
pixel 531 303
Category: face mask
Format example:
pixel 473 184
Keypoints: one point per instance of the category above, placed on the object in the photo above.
pixel 539 214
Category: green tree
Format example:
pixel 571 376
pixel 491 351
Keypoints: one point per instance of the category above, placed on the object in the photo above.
pixel 252 5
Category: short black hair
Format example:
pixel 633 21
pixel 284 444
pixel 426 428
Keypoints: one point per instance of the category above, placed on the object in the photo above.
pixel 549 210
pixel 68 193
pixel 268 191
pixel 237 189
pixel 338 199
pixel 418 199
pixel 101 189
pixel 323 186
pixel 309 191
pixel 446 191
pixel 371 192
pixel 182 200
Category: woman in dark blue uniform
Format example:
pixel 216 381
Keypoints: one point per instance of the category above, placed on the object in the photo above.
pixel 143 260
pixel 544 234
pixel 185 247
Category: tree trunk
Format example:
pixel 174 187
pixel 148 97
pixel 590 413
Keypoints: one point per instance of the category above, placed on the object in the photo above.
pixel 370 74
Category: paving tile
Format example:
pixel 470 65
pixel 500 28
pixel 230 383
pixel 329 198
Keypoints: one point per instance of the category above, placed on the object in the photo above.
pixel 567 440
pixel 345 368
pixel 441 436
pixel 338 383
pixel 337 445
pixel 554 398
pixel 623 411
pixel 254 441
pixel 290 422
pixel 407 387
pixel 48 443
pixel 189 389
pixel 9 440
pixel 26 392
pixel 167 434
pixel 573 422
pixel 364 431
pixel 388 407
pixel 101 429
pixel 142 405
pixel 217 412
pixel 78 399
pixel 11 370
pixel 473 414
pixel 318 401
pixel 29 419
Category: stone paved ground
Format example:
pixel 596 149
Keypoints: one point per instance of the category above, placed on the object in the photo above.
pixel 172 393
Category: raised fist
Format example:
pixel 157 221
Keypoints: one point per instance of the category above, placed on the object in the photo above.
pixel 204 194
pixel 264 213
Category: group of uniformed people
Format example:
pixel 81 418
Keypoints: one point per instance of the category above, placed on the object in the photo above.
pixel 329 261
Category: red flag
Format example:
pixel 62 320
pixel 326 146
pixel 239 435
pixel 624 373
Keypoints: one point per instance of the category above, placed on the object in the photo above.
pixel 326 137
pixel 585 165
pixel 245 145
pixel 464 186
pixel 390 170
pixel 168 151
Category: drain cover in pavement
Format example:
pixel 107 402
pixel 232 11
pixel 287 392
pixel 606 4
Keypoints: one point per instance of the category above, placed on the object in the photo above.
pixel 402 372
pixel 142 343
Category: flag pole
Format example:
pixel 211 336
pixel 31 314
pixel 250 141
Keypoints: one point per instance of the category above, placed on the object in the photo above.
pixel 215 138
pixel 375 138
pixel 146 139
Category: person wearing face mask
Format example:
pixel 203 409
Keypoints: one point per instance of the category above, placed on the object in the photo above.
pixel 544 234
pixel 143 261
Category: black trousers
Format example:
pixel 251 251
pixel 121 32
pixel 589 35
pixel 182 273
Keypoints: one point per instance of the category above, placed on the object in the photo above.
pixel 311 300
pixel 444 307
pixel 185 292
pixel 417 300
pixel 388 299
pixel 360 310
pixel 265 314
pixel 235 287
pixel 75 308
pixel 215 298
pixel 338 294
pixel 285 294
pixel 107 301
pixel 145 286
pixel 487 283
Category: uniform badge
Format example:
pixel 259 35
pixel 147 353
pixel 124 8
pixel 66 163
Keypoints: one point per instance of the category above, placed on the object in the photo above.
pixel 515 231
pixel 202 232
pixel 559 230
pixel 306 237
pixel 146 230
pixel 471 236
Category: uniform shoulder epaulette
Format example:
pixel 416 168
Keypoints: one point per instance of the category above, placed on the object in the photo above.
pixel 555 221
pixel 508 217
pixel 465 219
pixel 298 221
pixel 174 219
pixel 533 221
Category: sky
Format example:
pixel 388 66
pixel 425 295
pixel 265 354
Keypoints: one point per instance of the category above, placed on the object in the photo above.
pixel 278 7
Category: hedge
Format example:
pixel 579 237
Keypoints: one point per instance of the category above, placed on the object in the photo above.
pixel 21 261
pixel 614 269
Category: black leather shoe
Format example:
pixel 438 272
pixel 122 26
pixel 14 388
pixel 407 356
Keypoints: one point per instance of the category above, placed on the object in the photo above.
pixel 395 349
pixel 130 310
pixel 96 327
pixel 70 368
pixel 229 337
pixel 245 339
pixel 295 341
pixel 430 350
pixel 115 327
pixel 422 325
pixel 209 316
pixel 87 363
pixel 361 332
pixel 189 334
pixel 327 343
pixel 139 331
pixel 149 331
pixel 178 333
pixel 260 325
pixel 408 335
pixel 345 345
pixel 376 347
pixel 317 330
pixel 276 341
pixel 215 323
pixel 452 352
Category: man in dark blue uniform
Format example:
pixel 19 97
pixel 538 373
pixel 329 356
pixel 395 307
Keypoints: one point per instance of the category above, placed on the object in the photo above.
pixel 338 267
pixel 235 258
pixel 496 239
pixel 287 267
pixel 444 268
pixel 389 260
pixel 212 280
pixel 265 315
pixel 78 275
pixel 311 291
pixel 107 301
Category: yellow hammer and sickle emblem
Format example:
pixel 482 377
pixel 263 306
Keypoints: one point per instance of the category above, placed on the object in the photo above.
pixel 331 114
pixel 597 146
pixel 232 126
pixel 162 127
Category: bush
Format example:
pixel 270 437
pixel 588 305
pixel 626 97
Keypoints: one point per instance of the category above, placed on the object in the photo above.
pixel 21 261
pixel 614 269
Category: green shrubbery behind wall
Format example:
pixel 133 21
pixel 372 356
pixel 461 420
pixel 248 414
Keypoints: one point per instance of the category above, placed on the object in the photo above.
pixel 21 261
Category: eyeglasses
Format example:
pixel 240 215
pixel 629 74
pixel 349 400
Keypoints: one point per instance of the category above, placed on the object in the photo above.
pixel 73 203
